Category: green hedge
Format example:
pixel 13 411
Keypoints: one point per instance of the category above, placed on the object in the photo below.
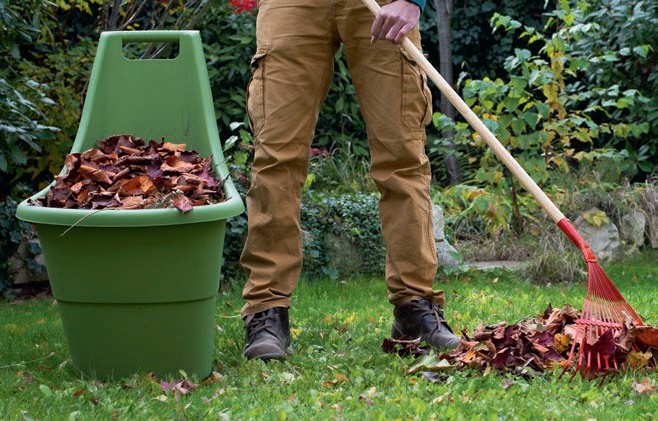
pixel 351 217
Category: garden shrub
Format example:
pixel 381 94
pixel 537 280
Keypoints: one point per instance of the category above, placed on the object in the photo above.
pixel 65 72
pixel 475 49
pixel 575 101
pixel 618 38
pixel 23 132
pixel 354 217
pixel 24 127
pixel 229 41
pixel 545 116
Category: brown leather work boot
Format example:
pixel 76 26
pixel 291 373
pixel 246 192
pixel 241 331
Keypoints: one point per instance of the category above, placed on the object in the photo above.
pixel 267 334
pixel 423 319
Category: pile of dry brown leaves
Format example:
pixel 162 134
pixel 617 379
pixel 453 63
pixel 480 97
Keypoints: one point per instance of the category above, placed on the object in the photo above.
pixel 125 172
pixel 533 345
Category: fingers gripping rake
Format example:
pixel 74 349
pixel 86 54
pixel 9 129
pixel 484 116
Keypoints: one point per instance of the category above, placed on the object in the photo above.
pixel 605 310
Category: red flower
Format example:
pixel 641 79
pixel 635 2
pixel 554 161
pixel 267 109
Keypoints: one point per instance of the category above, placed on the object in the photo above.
pixel 243 6
pixel 318 152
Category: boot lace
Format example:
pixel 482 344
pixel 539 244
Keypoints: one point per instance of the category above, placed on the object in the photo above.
pixel 261 321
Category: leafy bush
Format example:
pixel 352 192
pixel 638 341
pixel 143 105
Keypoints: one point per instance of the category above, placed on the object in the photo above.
pixel 618 40
pixel 474 212
pixel 351 216
pixel 229 41
pixel 65 72
pixel 340 171
pixel 238 149
pixel 476 50
pixel 546 117
pixel 23 125
pixel 22 131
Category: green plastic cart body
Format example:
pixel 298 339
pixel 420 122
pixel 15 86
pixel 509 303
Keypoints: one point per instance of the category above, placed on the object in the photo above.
pixel 137 289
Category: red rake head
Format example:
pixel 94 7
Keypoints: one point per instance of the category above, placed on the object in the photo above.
pixel 605 311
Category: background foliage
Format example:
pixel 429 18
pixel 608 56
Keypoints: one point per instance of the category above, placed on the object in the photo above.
pixel 569 86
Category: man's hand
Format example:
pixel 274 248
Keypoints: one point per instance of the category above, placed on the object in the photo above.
pixel 394 21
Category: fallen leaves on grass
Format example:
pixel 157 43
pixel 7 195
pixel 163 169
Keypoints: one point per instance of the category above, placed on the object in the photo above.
pixel 340 378
pixel 178 387
pixel 125 172
pixel 531 346
pixel 404 346
pixel 428 363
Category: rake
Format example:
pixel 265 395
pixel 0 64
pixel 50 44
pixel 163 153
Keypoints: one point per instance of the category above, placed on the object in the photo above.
pixel 605 311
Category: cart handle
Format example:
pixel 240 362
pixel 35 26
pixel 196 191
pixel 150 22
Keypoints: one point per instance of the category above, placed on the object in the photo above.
pixel 148 36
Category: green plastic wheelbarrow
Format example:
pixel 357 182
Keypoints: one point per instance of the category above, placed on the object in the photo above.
pixel 137 289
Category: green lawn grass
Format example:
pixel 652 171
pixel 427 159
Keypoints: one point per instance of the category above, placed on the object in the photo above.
pixel 337 370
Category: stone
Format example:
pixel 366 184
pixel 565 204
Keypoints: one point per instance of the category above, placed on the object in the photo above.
pixel 24 266
pixel 631 229
pixel 653 232
pixel 342 254
pixel 602 235
pixel 439 223
pixel 446 254
pixel 651 198
pixel 496 264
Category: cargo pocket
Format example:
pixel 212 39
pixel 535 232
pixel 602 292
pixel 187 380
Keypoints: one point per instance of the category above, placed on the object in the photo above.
pixel 256 92
pixel 416 95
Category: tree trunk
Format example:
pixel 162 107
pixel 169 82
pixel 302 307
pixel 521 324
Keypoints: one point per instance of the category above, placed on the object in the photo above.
pixel 443 17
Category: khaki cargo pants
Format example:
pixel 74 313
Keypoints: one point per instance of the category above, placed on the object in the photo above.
pixel 292 71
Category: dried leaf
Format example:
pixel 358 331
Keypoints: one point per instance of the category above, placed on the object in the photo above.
pixel 561 342
pixel 645 387
pixel 176 165
pixel 638 359
pixel 173 147
pixel 429 363
pixel 214 377
pixel 340 378
pixel 125 166
pixel 625 339
pixel 507 383
pixel 136 186
pixel 96 156
pixel 605 344
pixel 95 174
pixel 132 202
pixel 161 398
pixel 205 174
pixel 647 335
pixel 404 347
pixel 183 203
pixel 182 387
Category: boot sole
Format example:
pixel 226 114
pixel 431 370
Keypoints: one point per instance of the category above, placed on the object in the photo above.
pixel 275 355
pixel 396 333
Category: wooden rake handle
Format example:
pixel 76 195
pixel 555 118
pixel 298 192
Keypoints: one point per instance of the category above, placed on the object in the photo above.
pixel 501 152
